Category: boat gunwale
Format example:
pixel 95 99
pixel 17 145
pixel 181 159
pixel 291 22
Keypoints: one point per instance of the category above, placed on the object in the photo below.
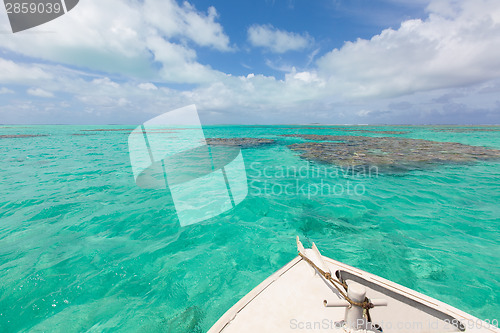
pixel 416 296
pixel 233 311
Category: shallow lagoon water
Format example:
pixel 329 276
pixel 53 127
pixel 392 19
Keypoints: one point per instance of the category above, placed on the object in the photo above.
pixel 82 248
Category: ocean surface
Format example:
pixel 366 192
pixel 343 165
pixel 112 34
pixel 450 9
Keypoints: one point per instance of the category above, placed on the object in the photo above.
pixel 83 248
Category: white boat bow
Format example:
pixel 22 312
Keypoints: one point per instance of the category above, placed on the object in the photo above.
pixel 313 293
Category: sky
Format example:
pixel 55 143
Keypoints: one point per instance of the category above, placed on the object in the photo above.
pixel 257 62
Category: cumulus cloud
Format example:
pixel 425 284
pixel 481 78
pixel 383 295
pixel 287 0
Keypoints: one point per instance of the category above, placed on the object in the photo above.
pixel 178 63
pixel 13 72
pixel 94 37
pixel 412 72
pixel 453 47
pixel 276 40
pixel 4 90
pixel 105 82
pixel 147 86
pixel 299 98
pixel 186 22
pixel 38 92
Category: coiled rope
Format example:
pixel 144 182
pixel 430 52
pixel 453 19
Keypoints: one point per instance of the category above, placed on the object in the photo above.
pixel 338 284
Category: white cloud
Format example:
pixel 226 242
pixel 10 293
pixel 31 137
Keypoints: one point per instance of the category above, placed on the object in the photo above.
pixel 301 97
pixel 4 91
pixel 105 82
pixel 307 77
pixel 276 40
pixel 110 36
pixel 17 73
pixel 38 92
pixel 185 21
pixel 364 113
pixel 281 66
pixel 103 101
pixel 147 86
pixel 452 47
pixel 178 63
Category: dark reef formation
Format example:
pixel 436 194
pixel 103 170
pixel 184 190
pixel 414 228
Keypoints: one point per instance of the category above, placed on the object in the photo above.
pixel 348 129
pixel 379 132
pixel 239 142
pixel 11 136
pixel 387 152
pixel 109 130
pixel 467 130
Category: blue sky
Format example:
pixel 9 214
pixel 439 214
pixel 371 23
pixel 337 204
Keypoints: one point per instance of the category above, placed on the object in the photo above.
pixel 329 23
pixel 257 62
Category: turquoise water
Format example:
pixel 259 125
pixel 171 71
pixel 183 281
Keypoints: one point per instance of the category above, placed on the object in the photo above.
pixel 82 248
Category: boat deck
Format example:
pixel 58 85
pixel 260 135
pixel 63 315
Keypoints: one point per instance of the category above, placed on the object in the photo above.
pixel 291 300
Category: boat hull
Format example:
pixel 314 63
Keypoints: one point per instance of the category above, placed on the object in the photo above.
pixel 293 300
